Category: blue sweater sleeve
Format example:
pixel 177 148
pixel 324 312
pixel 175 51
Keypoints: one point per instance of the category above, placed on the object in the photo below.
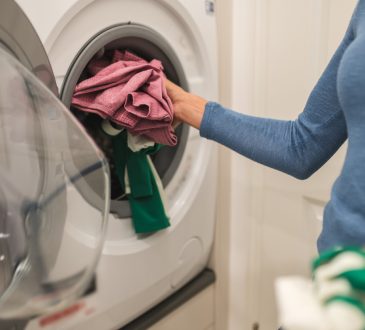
pixel 298 147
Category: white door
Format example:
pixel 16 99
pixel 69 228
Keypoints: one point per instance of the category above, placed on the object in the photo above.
pixel 280 49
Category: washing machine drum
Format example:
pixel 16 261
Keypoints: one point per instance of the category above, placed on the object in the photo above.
pixel 145 43
pixel 47 252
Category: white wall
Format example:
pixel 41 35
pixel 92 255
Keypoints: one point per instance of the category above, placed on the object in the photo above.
pixel 220 256
pixel 280 48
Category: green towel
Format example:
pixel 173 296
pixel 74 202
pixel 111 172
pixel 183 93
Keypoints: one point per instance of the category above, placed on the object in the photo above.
pixel 354 297
pixel 356 303
pixel 328 255
pixel 148 212
pixel 356 278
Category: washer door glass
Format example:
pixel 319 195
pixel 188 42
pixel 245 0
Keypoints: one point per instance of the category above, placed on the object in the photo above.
pixel 48 253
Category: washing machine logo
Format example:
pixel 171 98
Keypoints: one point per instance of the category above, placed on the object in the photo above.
pixel 209 7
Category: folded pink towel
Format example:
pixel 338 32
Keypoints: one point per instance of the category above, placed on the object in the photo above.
pixel 129 91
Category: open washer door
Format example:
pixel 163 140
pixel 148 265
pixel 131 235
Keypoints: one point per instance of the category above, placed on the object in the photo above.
pixel 48 253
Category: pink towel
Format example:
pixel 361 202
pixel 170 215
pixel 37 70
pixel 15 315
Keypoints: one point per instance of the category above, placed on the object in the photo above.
pixel 130 92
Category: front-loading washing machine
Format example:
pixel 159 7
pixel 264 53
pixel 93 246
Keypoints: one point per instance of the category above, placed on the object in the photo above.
pixel 136 272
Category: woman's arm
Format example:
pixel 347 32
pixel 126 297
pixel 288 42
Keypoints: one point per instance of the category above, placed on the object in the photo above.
pixel 298 147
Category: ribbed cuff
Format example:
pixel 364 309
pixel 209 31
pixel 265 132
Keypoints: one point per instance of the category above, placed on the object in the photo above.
pixel 206 124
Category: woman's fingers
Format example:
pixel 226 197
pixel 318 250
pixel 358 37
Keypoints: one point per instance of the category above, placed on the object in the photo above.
pixel 176 95
pixel 174 91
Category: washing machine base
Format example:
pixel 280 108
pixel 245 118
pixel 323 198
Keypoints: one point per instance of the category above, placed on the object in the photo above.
pixel 167 306
pixel 196 285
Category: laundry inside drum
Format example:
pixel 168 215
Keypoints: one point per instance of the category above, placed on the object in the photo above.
pixel 148 45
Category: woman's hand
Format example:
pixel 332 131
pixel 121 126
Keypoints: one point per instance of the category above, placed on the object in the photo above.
pixel 188 108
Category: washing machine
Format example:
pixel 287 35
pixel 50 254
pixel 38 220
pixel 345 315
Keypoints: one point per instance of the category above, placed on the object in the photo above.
pixel 135 272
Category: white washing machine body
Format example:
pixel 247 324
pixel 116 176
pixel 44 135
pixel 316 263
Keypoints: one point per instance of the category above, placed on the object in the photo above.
pixel 135 273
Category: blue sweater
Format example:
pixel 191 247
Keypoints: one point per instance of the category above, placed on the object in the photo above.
pixel 334 112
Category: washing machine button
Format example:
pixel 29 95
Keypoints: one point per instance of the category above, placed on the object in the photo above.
pixel 188 261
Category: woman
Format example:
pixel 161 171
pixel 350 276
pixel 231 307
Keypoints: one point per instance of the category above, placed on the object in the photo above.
pixel 334 112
